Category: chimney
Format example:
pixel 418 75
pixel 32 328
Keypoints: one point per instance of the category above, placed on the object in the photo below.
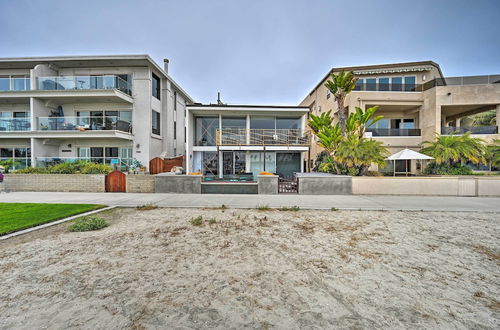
pixel 165 64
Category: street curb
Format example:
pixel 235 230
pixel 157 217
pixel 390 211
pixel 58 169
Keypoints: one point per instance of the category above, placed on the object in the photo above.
pixel 53 223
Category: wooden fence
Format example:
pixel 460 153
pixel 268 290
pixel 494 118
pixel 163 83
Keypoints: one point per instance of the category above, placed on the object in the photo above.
pixel 160 165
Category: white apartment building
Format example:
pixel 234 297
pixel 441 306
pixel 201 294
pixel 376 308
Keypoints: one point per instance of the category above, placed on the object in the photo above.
pixel 237 142
pixel 97 108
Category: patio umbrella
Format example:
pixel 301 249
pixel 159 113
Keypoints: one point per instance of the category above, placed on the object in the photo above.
pixel 407 154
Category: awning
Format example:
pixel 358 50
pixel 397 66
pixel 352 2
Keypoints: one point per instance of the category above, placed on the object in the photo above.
pixel 406 155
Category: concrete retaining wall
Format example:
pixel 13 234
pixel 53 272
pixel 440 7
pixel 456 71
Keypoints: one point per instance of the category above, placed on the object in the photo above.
pixel 268 184
pixel 140 183
pixel 427 186
pixel 55 182
pixel 180 184
pixel 325 185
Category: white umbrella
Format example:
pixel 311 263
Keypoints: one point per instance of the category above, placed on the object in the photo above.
pixel 407 154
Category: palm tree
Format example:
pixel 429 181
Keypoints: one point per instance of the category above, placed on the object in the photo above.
pixel 494 153
pixel 450 149
pixel 318 122
pixel 340 85
pixel 356 154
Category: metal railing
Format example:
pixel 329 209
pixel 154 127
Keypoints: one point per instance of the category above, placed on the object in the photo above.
pixel 83 123
pixel 278 137
pixel 49 161
pixel 394 131
pixel 15 124
pixel 84 83
pixel 8 84
pixel 472 129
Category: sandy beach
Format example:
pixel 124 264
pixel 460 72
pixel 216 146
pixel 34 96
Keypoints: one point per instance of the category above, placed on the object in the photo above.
pixel 257 269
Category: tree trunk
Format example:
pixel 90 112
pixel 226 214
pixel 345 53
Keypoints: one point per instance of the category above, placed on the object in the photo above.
pixel 342 114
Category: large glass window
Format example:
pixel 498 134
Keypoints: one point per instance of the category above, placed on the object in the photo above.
pixel 383 84
pixel 5 83
pixel 287 123
pixel 260 161
pixel 262 122
pixel 6 152
pixel 234 122
pixel 156 86
pixel 410 83
pixel 210 163
pixel 407 123
pixel 206 128
pixel 155 123
pixel 371 84
pixel 359 85
pixel 397 84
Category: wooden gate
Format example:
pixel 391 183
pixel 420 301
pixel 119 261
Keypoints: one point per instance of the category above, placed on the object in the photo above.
pixel 288 185
pixel 116 181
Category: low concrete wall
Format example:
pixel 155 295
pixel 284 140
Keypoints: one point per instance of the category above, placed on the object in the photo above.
pixel 321 184
pixel 55 182
pixel 140 183
pixel 268 184
pixel 427 186
pixel 180 184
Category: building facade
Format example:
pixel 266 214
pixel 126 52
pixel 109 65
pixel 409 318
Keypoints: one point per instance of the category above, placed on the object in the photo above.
pixel 96 108
pixel 417 103
pixel 237 142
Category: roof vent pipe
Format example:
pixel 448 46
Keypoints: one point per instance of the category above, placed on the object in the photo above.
pixel 165 64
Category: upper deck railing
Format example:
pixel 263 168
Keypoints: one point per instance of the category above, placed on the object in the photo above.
pixel 15 124
pixel 84 83
pixel 8 84
pixel 84 123
pixel 261 137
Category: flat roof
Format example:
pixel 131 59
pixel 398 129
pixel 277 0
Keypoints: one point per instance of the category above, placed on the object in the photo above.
pixel 86 61
pixel 208 108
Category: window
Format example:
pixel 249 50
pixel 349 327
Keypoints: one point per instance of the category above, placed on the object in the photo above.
pixel 410 84
pixel 234 122
pixel 175 101
pixel 397 84
pixel 383 84
pixel 371 84
pixel 359 85
pixel 287 123
pixel 175 130
pixel 155 122
pixel 262 122
pixel 155 84
pixel 205 130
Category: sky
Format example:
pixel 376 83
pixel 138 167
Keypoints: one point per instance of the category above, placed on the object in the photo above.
pixel 256 51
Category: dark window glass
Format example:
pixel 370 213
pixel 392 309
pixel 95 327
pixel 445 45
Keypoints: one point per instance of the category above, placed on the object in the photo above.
pixel 383 84
pixel 371 84
pixel 155 123
pixel 359 85
pixel 175 101
pixel 287 123
pixel 397 84
pixel 410 84
pixel 20 152
pixel 6 152
pixel 111 152
pixel 262 122
pixel 155 83
pixel 231 122
pixel 175 130
pixel 210 163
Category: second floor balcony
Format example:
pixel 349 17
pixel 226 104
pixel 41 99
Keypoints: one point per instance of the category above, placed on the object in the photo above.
pixel 13 83
pixel 120 83
pixel 393 131
pixel 261 137
pixel 451 130
pixel 15 124
pixel 84 123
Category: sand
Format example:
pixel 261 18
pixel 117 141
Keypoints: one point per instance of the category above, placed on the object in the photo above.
pixel 257 269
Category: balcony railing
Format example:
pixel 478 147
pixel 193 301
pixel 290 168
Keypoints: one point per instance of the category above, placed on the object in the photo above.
pixel 472 129
pixel 383 87
pixel 15 163
pixel 8 84
pixel 394 131
pixel 261 137
pixel 15 124
pixel 84 83
pixel 49 161
pixel 84 123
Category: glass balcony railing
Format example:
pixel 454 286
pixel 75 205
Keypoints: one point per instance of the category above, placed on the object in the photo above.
pixel 394 131
pixel 472 129
pixel 15 163
pixel 84 123
pixel 84 83
pixel 8 84
pixel 242 136
pixel 49 161
pixel 382 87
pixel 15 124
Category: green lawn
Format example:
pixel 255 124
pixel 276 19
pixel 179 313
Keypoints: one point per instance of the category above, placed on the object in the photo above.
pixel 17 216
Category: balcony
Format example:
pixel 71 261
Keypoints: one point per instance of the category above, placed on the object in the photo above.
pixel 472 129
pixel 394 131
pixel 50 161
pixel 84 83
pixel 10 84
pixel 261 137
pixel 383 87
pixel 15 124
pixel 84 123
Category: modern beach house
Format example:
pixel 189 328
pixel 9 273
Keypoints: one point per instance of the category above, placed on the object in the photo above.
pixel 96 108
pixel 417 103
pixel 237 142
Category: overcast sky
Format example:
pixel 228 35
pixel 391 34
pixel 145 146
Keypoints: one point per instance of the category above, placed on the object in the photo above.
pixel 259 52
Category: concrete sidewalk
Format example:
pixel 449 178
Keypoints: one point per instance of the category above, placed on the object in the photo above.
pixel 427 203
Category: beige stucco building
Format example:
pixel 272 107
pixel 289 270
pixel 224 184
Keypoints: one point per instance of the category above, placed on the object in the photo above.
pixel 417 103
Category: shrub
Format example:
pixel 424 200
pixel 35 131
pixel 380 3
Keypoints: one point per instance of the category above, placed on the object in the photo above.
pixel 446 169
pixel 263 207
pixel 212 221
pixel 78 167
pixel 88 224
pixel 198 221
pixel 293 208
pixel 146 207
